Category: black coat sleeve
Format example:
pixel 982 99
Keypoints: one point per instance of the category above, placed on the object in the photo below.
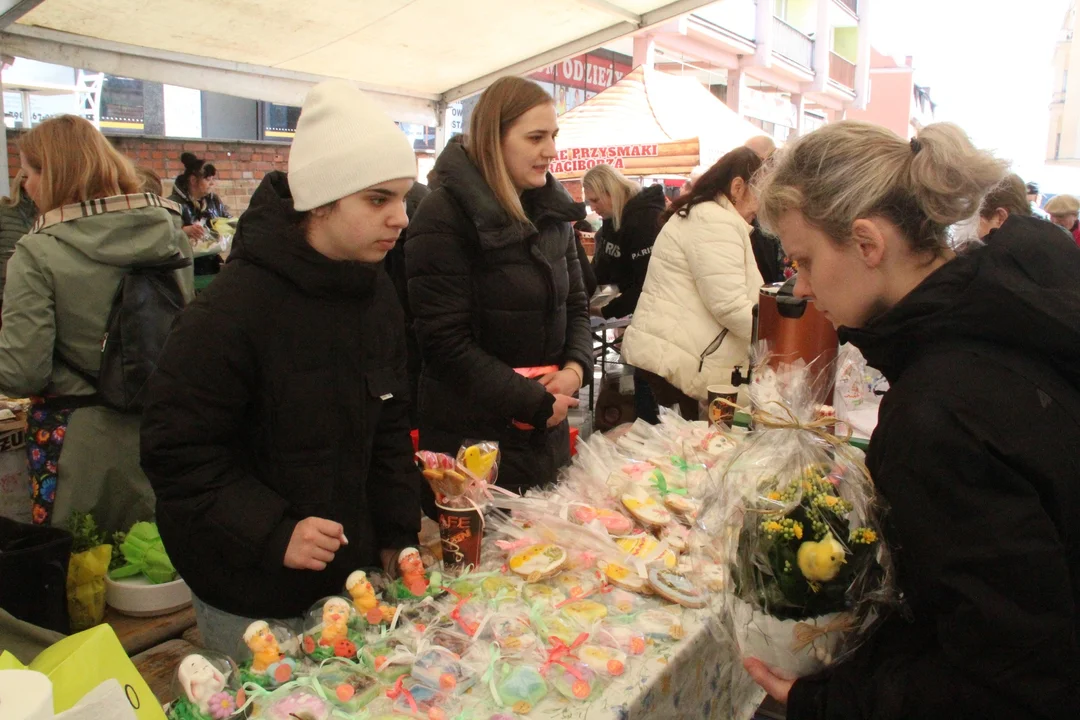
pixel 579 340
pixel 987 576
pixel 394 481
pixel 588 275
pixel 440 294
pixel 197 412
pixel 637 239
pixel 601 263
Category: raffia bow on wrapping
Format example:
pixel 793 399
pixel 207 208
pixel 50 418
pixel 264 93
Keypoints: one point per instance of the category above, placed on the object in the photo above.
pixel 805 634
pixel 819 427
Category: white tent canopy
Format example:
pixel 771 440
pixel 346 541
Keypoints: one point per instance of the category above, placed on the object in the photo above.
pixel 413 55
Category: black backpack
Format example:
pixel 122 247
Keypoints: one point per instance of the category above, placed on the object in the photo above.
pixel 144 307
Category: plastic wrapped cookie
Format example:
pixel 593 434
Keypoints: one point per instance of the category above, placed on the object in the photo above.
pixel 537 562
pixel 662 623
pixel 585 613
pixel 292 703
pixel 206 687
pixel 623 636
pixel 603 659
pixel 623 602
pixel 520 688
pixel 388 659
pixel 439 668
pixel 513 634
pixel 348 687
pixel 333 628
pixel 542 594
pixel 576 584
pixel 500 589
pixel 574 680
pixel 269 654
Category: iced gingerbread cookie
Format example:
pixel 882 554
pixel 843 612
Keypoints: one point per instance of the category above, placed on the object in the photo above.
pixel 646 510
pixel 537 562
pixel 500 588
pixel 646 548
pixel 604 660
pixel 625 578
pixel 584 613
pixel 512 634
pixel 521 688
pixel 576 584
pixel 540 594
pixel 613 521
pixel 675 587
pixel 662 624
pixel 681 505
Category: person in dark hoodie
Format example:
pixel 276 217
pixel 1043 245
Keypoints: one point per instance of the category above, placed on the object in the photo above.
pixel 632 220
pixel 193 191
pixel 631 223
pixel 277 436
pixel 494 285
pixel 977 450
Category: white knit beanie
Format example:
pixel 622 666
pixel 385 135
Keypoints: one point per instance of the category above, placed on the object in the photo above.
pixel 344 143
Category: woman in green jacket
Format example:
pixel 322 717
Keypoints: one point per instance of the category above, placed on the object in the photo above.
pixel 61 281
pixel 17 214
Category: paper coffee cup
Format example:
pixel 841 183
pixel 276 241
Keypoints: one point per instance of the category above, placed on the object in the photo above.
pixel 461 531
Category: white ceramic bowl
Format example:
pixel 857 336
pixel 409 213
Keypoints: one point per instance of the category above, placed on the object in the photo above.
pixel 138 597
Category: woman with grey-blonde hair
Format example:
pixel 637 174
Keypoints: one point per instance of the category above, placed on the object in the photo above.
pixel 983 512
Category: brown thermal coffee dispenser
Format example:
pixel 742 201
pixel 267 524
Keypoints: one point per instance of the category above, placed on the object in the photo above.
pixel 794 328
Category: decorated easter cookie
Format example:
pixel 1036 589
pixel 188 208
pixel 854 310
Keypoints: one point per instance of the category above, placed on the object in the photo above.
pixel 623 577
pixel 613 521
pixel 538 561
pixel 521 688
pixel 512 634
pixel 604 660
pixel 585 612
pixel 647 549
pixel 576 584
pixel 681 505
pixel 676 588
pixel 439 668
pixel 661 623
pixel 498 587
pixel 540 594
pixel 646 510
pixel 573 680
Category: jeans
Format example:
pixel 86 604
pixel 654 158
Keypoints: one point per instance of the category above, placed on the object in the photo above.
pixel 224 632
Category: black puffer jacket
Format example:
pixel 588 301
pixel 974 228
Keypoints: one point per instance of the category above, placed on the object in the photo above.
pixel 978 454
pixel 281 395
pixel 490 294
pixel 627 250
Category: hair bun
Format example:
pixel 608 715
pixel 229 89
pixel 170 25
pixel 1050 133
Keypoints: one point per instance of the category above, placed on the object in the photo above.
pixel 191 163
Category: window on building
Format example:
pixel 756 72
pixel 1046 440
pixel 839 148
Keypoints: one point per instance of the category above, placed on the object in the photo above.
pixel 121 105
pixel 780 9
pixel 1057 147
pixel 1064 79
pixel 278 121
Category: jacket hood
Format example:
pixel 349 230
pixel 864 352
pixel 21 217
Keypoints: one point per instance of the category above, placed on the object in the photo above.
pixel 649 201
pixel 122 238
pixel 495 227
pixel 270 235
pixel 1019 291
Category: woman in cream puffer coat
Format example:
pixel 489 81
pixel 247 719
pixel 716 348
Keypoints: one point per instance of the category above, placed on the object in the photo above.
pixel 694 320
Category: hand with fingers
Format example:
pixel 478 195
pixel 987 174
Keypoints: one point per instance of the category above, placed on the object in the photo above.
pixel 314 543
pixel 770 680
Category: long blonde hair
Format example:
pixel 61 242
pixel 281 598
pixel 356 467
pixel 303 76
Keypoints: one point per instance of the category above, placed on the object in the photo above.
pixel 76 163
pixel 500 106
pixel 606 180
pixel 851 170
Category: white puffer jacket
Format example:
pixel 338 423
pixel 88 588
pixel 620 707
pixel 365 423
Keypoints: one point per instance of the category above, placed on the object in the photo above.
pixel 693 323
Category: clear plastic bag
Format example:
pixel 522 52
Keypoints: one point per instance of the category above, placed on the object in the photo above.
pixel 788 542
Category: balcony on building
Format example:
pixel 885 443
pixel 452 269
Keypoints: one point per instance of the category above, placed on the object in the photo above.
pixel 841 71
pixel 852 5
pixel 792 45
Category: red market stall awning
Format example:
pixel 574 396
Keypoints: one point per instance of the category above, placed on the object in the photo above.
pixel 648 123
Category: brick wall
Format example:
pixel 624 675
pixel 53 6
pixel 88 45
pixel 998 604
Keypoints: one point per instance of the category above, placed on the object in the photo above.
pixel 240 165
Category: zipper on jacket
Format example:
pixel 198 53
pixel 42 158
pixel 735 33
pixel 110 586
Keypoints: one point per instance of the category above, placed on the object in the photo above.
pixel 713 347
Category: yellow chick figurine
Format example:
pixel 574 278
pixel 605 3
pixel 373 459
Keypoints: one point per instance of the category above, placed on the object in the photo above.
pixel 821 561
pixel 364 600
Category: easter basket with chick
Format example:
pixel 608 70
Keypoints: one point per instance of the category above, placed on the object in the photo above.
pixel 794 523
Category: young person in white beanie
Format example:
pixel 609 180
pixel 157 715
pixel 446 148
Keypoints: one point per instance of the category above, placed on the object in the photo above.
pixel 277 434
